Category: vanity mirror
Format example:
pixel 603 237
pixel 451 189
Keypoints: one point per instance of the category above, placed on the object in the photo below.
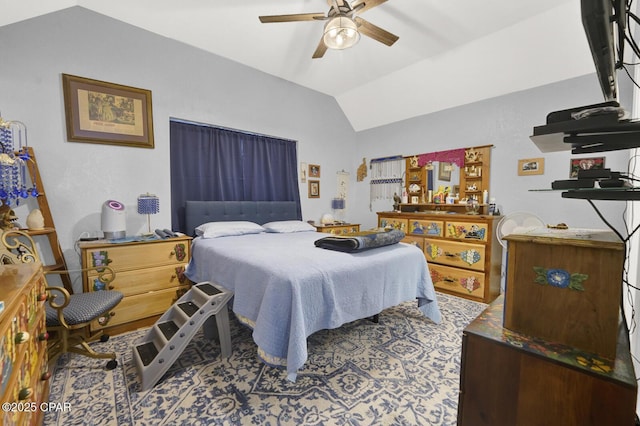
pixel 445 180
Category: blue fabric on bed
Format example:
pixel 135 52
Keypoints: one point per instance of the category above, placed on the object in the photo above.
pixel 288 288
pixel 361 241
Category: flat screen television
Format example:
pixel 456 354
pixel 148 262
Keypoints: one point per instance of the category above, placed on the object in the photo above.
pixel 604 24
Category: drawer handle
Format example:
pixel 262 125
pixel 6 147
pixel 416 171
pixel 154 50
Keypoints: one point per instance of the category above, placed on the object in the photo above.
pixel 446 253
pixel 449 280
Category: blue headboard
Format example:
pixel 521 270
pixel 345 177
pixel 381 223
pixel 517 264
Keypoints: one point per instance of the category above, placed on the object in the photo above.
pixel 261 212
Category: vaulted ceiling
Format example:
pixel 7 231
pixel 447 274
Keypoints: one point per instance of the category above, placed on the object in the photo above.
pixel 449 52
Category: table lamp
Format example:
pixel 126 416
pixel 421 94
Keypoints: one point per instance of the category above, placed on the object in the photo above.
pixel 148 204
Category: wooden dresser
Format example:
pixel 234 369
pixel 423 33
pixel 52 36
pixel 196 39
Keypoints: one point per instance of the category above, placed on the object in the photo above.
pixel 463 254
pixel 150 274
pixel 24 375
pixel 509 378
pixel 344 228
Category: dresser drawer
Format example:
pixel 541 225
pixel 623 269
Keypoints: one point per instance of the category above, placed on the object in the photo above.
pixel 393 222
pixel 426 227
pixel 144 280
pixel 124 257
pixel 464 282
pixel 467 231
pixel 141 306
pixel 414 241
pixel 452 253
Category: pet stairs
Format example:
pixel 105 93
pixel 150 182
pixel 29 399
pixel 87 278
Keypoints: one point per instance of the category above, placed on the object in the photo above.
pixel 204 304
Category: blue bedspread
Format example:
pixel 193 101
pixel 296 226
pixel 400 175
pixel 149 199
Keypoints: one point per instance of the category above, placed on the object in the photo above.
pixel 286 288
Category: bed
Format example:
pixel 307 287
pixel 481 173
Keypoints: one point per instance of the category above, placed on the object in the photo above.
pixel 285 288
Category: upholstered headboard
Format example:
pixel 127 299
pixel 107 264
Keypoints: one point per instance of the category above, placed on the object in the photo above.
pixel 261 212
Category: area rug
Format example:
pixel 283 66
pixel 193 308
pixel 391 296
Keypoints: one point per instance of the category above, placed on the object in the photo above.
pixel 404 370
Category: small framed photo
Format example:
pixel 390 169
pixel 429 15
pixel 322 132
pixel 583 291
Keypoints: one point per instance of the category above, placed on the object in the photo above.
pixel 314 189
pixel 303 172
pixel 585 164
pixel 314 171
pixel 444 171
pixel 531 166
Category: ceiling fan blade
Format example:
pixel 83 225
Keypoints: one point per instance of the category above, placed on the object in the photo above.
pixel 361 6
pixel 375 32
pixel 320 50
pixel 293 18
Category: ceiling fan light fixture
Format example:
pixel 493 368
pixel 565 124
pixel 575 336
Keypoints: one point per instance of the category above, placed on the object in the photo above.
pixel 340 33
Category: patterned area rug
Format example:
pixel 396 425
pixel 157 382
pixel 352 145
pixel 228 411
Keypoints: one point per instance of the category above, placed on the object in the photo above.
pixel 402 371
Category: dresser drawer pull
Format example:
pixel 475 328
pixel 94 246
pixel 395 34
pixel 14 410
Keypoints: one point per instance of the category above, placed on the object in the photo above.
pixel 446 253
pixel 449 280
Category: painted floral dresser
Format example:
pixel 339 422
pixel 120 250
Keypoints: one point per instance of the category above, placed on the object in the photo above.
pixel 150 274
pixel 463 254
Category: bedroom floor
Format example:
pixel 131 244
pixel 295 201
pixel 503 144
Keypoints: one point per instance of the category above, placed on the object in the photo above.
pixel 403 370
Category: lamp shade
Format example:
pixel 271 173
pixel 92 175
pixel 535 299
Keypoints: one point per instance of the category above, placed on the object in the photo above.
pixel 148 204
pixel 337 204
pixel 340 33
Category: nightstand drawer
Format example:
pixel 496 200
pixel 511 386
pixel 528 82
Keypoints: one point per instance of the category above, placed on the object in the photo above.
pixel 464 282
pixel 122 257
pixel 453 253
pixel 145 280
pixel 141 306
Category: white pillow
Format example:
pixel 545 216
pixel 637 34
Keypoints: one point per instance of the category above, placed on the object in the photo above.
pixel 288 226
pixel 229 228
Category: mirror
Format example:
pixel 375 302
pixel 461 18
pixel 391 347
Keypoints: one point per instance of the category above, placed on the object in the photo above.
pixel 443 173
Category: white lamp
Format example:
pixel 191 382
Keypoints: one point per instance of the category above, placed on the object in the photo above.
pixel 340 33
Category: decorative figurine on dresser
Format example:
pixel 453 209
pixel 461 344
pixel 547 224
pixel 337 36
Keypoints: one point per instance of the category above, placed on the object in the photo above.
pixel 458 242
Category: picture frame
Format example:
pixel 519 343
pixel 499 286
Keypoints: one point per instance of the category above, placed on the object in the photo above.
pixel 314 171
pixel 530 166
pixel 444 171
pixel 591 163
pixel 107 113
pixel 314 189
pixel 303 172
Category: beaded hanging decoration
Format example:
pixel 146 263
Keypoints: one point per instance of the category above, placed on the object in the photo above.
pixel 14 160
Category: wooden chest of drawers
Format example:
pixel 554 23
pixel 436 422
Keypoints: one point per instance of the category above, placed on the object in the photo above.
pixel 509 378
pixel 345 228
pixel 24 376
pixel 150 274
pixel 463 255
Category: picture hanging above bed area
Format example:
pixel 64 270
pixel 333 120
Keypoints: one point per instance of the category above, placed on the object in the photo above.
pixel 285 288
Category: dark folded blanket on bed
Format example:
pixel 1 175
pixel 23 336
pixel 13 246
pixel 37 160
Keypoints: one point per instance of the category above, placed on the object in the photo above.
pixel 360 241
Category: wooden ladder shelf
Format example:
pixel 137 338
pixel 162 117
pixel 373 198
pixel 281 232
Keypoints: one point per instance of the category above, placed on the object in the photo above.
pixel 49 227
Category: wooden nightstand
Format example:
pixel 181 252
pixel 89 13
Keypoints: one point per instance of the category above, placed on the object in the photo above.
pixel 149 273
pixel 345 228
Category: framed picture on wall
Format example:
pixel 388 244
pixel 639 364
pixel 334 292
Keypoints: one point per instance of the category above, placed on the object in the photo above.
pixel 107 113
pixel 444 171
pixel 314 189
pixel 585 164
pixel 531 166
pixel 314 171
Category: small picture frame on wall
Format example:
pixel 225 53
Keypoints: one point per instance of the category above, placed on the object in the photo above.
pixel 314 171
pixel 314 189
pixel 303 172
pixel 444 171
pixel 585 164
pixel 531 166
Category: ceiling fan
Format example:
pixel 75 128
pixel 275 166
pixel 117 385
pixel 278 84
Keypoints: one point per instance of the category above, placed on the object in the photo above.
pixel 343 28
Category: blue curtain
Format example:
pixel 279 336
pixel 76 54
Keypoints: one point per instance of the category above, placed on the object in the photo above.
pixel 213 163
